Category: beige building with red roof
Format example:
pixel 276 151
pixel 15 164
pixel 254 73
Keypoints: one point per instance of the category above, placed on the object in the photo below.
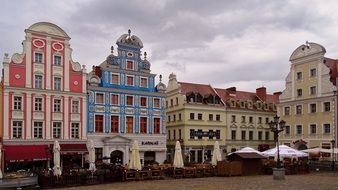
pixel 198 115
pixel 308 102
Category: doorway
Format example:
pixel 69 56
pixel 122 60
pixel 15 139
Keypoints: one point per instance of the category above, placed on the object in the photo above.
pixel 116 157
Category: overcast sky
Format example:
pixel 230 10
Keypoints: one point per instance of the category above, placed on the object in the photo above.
pixel 224 43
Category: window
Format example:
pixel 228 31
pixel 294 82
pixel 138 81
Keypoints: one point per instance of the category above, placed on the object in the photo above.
pixel 157 125
pixel 17 103
pixel 174 117
pixel 168 118
pixel 98 123
pixel 287 130
pixel 143 101
pixel 199 116
pixel 267 135
pixel 38 57
pixel 57 60
pixel 218 134
pixel 313 108
pixel 38 81
pixel 299 129
pixel 299 109
pixel 130 65
pixel 168 134
pixel 176 101
pixel 218 117
pixel 259 120
pixel 56 130
pixel 57 83
pixel 260 135
pixel 211 117
pixel 38 104
pixel 115 78
pixel 75 130
pixel 192 116
pixel 233 135
pixel 243 119
pixel 114 99
pixel 192 134
pixel 243 135
pixel 327 128
pixel 174 134
pixel 313 90
pixel 114 124
pixel 166 104
pixel 129 124
pixel 286 110
pixel 98 153
pixel 171 102
pixel 130 100
pixel 130 80
pixel 179 117
pixel 299 75
pixel 313 129
pixel 250 135
pixel 299 92
pixel 57 105
pixel 179 134
pixel 156 102
pixel 250 119
pixel 75 107
pixel 266 120
pixel 313 72
pixel 233 119
pixel 143 124
pixel 144 82
pixel 327 106
pixel 17 129
pixel 99 98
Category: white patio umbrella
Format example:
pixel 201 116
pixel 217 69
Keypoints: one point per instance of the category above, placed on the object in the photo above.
pixel 178 159
pixel 216 155
pixel 91 151
pixel 56 151
pixel 248 150
pixel 135 162
pixel 284 152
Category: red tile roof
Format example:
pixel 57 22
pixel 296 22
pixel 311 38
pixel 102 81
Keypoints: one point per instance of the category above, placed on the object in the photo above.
pixel 332 65
pixel 226 94
pixel 203 89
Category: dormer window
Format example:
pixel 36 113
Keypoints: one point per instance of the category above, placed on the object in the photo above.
pixel 130 65
pixel 232 103
pixel 266 106
pixel 242 104
pixel 199 98
pixel 259 105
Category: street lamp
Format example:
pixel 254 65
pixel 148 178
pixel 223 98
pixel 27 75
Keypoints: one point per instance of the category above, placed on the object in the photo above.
pixel 276 127
pixel 332 162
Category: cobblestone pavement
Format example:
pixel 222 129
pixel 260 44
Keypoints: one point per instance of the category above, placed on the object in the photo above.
pixel 312 181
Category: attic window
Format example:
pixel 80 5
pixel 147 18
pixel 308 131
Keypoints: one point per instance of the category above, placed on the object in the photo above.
pixel 249 104
pixel 259 105
pixel 242 103
pixel 199 98
pixel 130 54
pixel 266 106
pixel 232 102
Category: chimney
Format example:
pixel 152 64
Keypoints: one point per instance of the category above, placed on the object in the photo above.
pixel 231 89
pixel 261 93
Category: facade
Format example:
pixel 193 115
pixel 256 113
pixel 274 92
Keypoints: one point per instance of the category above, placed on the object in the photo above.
pixel 125 105
pixel 308 102
pixel 196 118
pixel 247 117
pixel 44 97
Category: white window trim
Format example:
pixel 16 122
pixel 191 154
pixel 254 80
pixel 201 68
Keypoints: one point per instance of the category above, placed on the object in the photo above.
pixel 104 98
pixel 323 129
pixel 146 101
pixel 284 110
pixel 42 103
pixel 43 56
pixel 104 122
pixel 125 103
pixel 125 123
pixel 154 102
pixel 61 82
pixel 296 129
pixel 78 106
pixel 297 76
pixel 141 80
pixel 22 104
pixel 310 72
pixel 139 119
pixel 309 108
pixel 36 121
pixel 60 105
pixel 71 130
pixel 118 99
pixel 152 130
pixel 111 78
pixel 301 109
pixel 22 125
pixel 118 129
pixel 60 55
pixel 127 64
pixel 297 92
pixel 309 129
pixel 310 91
pixel 127 80
pixel 323 106
pixel 61 132
pixel 42 81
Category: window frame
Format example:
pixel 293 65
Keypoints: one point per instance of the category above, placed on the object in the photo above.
pixel 54 60
pixel 57 130
pixel 38 84
pixel 38 104
pixel 17 129
pixel 75 130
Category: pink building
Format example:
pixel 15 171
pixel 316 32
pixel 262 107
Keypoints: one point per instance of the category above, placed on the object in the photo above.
pixel 44 100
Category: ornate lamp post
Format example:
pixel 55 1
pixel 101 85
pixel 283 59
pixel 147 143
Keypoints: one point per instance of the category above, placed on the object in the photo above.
pixel 276 127
pixel 332 162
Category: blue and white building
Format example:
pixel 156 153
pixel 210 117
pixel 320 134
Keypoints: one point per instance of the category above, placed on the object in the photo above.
pixel 125 105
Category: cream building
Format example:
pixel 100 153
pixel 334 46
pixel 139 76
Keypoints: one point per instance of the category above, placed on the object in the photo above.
pixel 307 103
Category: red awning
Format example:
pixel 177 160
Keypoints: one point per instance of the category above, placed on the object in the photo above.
pixel 26 152
pixel 73 148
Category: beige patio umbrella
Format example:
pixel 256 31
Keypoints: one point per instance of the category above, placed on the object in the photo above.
pixel 135 162
pixel 91 151
pixel 216 155
pixel 178 159
pixel 56 151
pixel 1 176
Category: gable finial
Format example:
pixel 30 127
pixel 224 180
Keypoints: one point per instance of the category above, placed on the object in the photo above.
pixel 160 78
pixel 112 49
pixel 145 55
pixel 129 32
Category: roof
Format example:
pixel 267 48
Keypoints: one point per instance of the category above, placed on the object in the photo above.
pixel 248 155
pixel 48 28
pixel 332 65
pixel 203 89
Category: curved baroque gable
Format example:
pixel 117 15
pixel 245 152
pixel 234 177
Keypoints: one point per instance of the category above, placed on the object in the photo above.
pixel 306 50
pixel 46 27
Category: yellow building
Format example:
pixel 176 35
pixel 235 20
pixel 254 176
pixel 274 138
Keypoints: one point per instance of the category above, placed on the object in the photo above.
pixel 248 114
pixel 195 117
pixel 307 103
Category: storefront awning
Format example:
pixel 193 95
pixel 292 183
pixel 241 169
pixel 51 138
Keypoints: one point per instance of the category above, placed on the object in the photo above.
pixel 26 152
pixel 73 148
